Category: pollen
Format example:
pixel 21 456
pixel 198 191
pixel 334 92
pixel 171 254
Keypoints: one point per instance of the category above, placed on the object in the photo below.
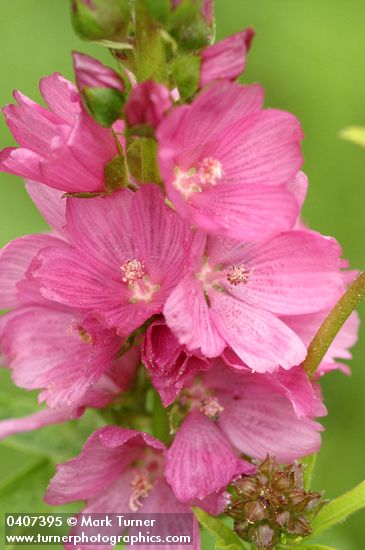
pixel 210 170
pixel 141 485
pixel 84 335
pixel 132 271
pixel 211 407
pixel 238 275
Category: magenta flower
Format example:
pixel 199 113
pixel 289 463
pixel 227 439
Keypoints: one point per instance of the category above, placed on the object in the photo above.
pixel 147 103
pixel 225 59
pixel 226 162
pixel 90 72
pixel 118 470
pixel 127 252
pixel 234 294
pixel 257 414
pixel 62 147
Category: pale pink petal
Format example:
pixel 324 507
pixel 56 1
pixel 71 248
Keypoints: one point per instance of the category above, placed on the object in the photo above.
pixel 50 203
pixel 186 130
pixel 15 259
pixel 296 272
pixel 102 228
pixel 259 338
pixel 21 162
pixel 105 456
pixel 299 187
pixel 200 460
pixel 262 148
pixel 226 58
pixel 66 277
pixel 61 96
pixel 190 318
pixel 244 213
pixel 35 421
pixel 161 238
pixel 259 422
pixel 45 350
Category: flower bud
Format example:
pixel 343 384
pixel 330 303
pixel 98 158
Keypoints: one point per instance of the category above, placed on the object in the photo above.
pixel 101 20
pixel 191 23
pixel 147 103
pixel 100 87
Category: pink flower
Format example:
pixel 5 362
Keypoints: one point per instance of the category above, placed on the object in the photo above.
pixel 234 294
pixel 57 350
pixel 225 59
pixel 127 253
pixel 62 147
pixel 147 103
pixel 170 365
pixel 115 380
pixel 92 73
pixel 257 414
pixel 119 470
pixel 226 162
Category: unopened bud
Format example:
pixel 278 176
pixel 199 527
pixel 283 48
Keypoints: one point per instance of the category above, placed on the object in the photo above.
pixel 101 20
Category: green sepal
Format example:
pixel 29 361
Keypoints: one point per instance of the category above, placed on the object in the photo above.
pixel 83 195
pixel 225 537
pixel 116 174
pixel 185 71
pixel 103 104
pixel 142 159
pixel 339 509
pixel 159 9
pixel 101 20
pixel 188 26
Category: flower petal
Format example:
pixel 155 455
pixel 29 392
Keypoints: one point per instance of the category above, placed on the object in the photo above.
pixel 200 460
pixel 259 338
pixel 190 319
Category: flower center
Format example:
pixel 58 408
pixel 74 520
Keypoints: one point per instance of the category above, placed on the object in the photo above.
pixel 135 276
pixel 84 335
pixel 237 275
pixel 142 485
pixel 211 407
pixel 132 271
pixel 207 174
pixel 210 170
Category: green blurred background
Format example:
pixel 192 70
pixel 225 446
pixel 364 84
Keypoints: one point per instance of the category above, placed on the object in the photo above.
pixel 310 57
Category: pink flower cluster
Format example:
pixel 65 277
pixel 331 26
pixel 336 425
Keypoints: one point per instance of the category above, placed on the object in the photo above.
pixel 212 279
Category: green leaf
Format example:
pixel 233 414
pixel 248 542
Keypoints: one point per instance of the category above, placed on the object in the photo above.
pixel 309 463
pixel 225 538
pixel 356 134
pixel 104 104
pixel 339 509
pixel 186 73
pixel 55 442
pixel 313 547
pixel 116 173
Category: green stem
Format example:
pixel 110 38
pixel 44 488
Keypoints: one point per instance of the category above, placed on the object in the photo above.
pixel 333 323
pixel 150 56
